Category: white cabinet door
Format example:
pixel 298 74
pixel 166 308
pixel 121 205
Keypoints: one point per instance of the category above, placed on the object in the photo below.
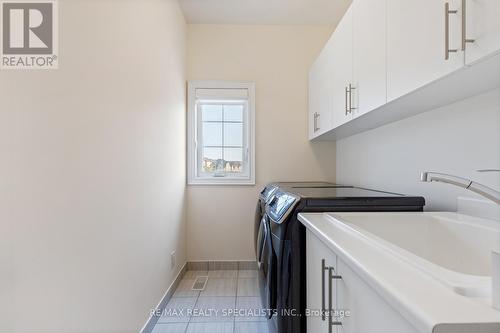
pixel 483 26
pixel 319 257
pixel 369 55
pixel 342 69
pixel 416 33
pixel 320 93
pixel 368 312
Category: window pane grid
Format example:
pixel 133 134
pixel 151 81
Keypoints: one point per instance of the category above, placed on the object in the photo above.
pixel 227 116
pixel 221 122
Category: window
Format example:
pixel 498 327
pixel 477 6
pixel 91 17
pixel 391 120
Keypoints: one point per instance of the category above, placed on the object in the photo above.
pixel 221 133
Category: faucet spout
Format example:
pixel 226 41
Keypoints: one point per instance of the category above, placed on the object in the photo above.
pixel 465 183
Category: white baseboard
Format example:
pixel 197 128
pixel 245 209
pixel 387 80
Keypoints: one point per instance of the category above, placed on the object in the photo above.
pixel 150 324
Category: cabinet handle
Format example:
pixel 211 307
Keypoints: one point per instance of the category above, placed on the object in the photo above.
pixel 323 306
pixel 331 277
pixel 447 13
pixel 465 40
pixel 316 116
pixel 347 101
pixel 351 88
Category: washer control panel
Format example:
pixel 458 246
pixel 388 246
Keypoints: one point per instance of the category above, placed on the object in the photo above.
pixel 281 205
pixel 267 193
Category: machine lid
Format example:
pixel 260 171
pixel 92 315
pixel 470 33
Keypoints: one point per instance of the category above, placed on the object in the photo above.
pixel 304 184
pixel 321 186
pixel 342 192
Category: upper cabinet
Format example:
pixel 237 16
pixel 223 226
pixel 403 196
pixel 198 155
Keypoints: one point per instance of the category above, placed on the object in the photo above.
pixel 369 56
pixel 352 83
pixel 320 93
pixel 418 34
pixel 329 79
pixel 481 29
pixel 391 59
pixel 342 70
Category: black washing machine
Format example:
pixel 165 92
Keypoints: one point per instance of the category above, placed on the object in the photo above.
pixel 286 294
pixel 265 253
pixel 266 259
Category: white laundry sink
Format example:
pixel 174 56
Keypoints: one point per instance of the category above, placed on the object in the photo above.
pixel 455 249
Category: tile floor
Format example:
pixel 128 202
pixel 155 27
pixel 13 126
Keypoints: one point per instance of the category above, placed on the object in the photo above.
pixel 212 310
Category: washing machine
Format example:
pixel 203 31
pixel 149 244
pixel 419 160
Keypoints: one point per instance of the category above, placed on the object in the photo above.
pixel 283 236
pixel 266 255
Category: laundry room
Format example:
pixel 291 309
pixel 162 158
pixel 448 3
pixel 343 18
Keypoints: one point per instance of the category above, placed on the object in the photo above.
pixel 235 166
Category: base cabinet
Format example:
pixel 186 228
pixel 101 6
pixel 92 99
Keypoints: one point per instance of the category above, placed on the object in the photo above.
pixel 357 306
pixel 368 312
pixel 319 261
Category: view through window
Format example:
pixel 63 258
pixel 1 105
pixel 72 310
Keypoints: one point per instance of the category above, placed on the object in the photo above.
pixel 222 137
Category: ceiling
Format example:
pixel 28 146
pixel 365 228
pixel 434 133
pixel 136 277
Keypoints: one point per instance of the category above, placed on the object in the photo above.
pixel 279 12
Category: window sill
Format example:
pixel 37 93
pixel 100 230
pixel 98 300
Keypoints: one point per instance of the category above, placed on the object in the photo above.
pixel 222 182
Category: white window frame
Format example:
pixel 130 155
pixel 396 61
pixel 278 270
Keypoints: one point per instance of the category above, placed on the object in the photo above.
pixel 195 176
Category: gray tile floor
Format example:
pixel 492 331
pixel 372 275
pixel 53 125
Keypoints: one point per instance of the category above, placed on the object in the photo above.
pixel 230 303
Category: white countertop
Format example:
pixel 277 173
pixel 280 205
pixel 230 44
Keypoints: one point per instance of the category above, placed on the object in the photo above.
pixel 419 298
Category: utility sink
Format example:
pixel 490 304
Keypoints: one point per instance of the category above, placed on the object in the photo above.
pixel 454 249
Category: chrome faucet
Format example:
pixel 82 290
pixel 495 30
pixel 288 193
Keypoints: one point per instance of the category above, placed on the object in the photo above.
pixel 468 184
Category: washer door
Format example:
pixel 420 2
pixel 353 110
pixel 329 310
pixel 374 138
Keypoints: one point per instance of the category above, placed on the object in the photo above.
pixel 267 264
pixel 261 241
pixel 257 224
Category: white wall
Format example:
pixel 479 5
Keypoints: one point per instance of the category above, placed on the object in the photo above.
pixel 92 171
pixel 456 139
pixel 277 58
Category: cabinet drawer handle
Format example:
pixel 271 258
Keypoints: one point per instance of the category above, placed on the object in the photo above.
pixel 316 116
pixel 331 277
pixel 447 13
pixel 465 40
pixel 351 88
pixel 323 306
pixel 347 101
